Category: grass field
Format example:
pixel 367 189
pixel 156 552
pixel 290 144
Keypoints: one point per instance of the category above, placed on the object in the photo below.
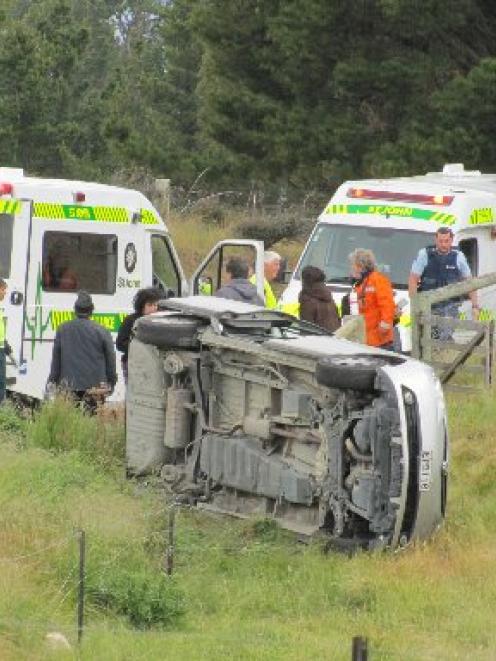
pixel 239 590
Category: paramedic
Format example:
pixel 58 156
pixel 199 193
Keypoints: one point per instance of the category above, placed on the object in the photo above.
pixel 239 288
pixel 5 349
pixel 375 299
pixel 272 266
pixel 145 302
pixel 438 266
pixel 83 357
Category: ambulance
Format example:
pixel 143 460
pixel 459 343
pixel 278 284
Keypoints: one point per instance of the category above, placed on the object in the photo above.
pixel 395 218
pixel 57 237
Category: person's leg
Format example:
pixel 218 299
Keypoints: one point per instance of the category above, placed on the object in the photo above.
pixel 2 375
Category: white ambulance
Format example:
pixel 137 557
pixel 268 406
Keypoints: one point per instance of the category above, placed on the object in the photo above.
pixel 395 218
pixel 57 237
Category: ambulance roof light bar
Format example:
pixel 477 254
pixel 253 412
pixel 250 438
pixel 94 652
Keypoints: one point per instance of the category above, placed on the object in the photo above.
pixel 393 196
pixel 6 188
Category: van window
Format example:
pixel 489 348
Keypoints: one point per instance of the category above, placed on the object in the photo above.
pixel 73 261
pixel 6 230
pixel 165 274
pixel 470 250
pixel 394 250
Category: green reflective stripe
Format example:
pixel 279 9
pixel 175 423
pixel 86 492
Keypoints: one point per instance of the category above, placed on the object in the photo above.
pixel 10 206
pixel 391 210
pixel 80 212
pixel 148 217
pixel 111 214
pixel 110 320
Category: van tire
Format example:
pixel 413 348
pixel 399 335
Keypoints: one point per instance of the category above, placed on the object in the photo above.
pixel 350 372
pixel 169 332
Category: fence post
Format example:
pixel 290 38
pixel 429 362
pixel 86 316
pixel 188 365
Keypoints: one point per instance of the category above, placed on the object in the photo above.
pixel 359 649
pixel 169 558
pixel 82 563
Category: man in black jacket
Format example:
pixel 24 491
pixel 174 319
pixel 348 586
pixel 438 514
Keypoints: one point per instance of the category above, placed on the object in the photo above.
pixel 83 357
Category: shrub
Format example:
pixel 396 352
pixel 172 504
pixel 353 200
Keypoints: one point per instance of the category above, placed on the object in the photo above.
pixel 59 426
pixel 124 582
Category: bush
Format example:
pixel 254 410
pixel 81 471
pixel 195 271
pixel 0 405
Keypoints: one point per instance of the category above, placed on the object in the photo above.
pixel 126 585
pixel 59 426
pixel 273 228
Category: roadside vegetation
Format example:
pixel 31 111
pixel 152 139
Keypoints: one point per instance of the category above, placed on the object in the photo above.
pixel 240 590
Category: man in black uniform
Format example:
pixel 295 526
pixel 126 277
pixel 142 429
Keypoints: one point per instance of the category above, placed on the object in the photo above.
pixel 83 356
pixel 437 266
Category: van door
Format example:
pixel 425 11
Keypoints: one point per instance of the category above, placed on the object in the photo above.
pixel 164 268
pixel 15 229
pixel 211 274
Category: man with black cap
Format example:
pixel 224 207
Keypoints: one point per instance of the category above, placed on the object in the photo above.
pixel 83 356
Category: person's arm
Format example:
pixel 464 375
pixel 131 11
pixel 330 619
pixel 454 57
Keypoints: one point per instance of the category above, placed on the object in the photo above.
pixel 418 266
pixel 308 311
pixel 54 376
pixel 466 273
pixel 413 283
pixel 385 303
pixel 124 334
pixel 108 350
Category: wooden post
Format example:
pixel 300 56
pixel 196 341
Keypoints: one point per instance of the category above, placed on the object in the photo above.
pixel 169 559
pixel 359 651
pixel 82 563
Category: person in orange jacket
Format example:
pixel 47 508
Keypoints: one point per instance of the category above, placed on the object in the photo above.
pixel 375 299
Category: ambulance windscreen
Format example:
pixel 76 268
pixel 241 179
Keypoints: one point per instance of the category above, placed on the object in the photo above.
pixel 6 231
pixel 394 250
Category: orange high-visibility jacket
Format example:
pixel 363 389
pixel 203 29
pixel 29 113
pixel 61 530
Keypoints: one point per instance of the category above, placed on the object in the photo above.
pixel 376 304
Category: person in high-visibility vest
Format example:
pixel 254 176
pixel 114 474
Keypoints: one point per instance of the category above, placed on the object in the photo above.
pixel 272 265
pixel 4 347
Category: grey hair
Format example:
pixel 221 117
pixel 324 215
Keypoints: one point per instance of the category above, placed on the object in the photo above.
pixel 271 256
pixel 365 259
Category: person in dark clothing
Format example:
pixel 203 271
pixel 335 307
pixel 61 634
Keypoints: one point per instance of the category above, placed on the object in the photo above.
pixel 144 302
pixel 83 358
pixel 239 288
pixel 316 301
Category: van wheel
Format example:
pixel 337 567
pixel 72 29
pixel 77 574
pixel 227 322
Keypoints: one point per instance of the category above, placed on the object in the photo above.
pixel 169 332
pixel 353 372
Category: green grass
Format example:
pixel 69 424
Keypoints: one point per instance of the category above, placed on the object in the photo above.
pixel 240 590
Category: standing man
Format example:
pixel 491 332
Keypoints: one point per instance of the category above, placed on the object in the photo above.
pixel 83 355
pixel 437 266
pixel 272 265
pixel 4 345
pixel 239 288
pixel 375 299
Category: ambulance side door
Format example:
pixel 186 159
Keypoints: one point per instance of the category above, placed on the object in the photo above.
pixel 15 248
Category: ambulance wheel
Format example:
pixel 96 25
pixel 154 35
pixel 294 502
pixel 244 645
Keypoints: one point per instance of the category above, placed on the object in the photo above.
pixel 169 332
pixel 351 372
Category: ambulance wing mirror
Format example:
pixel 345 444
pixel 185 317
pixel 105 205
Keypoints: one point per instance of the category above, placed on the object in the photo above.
pixel 16 298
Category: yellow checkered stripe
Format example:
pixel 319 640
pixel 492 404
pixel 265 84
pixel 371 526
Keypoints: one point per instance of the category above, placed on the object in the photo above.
pixel 337 208
pixel 111 214
pixel 10 206
pixel 443 218
pixel 48 210
pixel 148 217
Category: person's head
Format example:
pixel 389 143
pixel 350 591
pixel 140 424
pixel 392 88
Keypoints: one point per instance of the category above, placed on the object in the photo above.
pixel 237 267
pixel 444 239
pixel 3 289
pixel 361 261
pixel 146 301
pixel 83 307
pixel 272 264
pixel 310 275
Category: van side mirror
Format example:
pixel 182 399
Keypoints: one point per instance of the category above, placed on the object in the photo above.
pixel 286 277
pixel 16 298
